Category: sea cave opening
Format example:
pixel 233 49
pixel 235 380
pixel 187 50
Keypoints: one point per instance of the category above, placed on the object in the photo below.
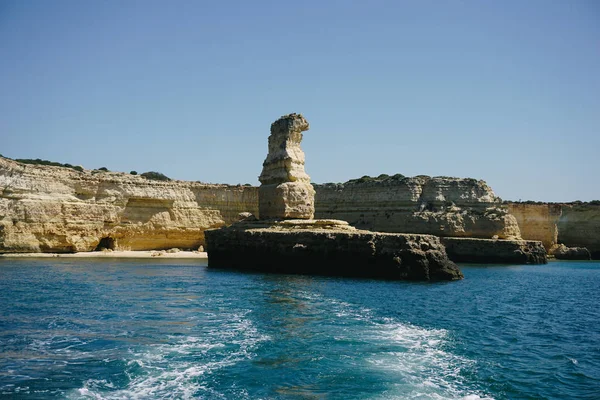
pixel 106 243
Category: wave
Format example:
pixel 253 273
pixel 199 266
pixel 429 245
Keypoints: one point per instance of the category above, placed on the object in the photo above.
pixel 417 361
pixel 181 367
pixel 397 359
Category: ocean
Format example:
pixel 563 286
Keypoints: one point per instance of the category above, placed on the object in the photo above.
pixel 163 329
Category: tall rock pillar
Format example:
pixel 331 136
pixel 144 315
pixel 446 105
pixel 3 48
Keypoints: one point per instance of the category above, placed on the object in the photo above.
pixel 285 191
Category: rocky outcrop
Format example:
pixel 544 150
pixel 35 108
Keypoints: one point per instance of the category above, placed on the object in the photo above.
pixel 280 243
pixel 326 247
pixel 562 252
pixel 441 206
pixel 285 190
pixel 486 251
pixel 55 209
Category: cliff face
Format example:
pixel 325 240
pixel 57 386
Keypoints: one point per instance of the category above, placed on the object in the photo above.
pixel 579 226
pixel 54 209
pixel 438 206
pixel 572 225
pixel 538 221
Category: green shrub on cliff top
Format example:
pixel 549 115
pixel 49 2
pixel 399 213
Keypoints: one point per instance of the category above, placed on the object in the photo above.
pixel 155 176
pixel 380 178
pixel 39 161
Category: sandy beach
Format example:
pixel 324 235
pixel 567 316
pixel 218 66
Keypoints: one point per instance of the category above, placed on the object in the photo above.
pixel 112 254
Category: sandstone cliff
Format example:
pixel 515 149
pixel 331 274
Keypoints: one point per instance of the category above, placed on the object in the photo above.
pixel 438 206
pixel 55 209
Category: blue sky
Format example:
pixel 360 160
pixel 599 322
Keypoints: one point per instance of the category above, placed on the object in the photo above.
pixel 505 91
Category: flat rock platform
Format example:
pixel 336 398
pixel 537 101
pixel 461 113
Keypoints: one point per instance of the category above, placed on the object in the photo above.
pixel 328 247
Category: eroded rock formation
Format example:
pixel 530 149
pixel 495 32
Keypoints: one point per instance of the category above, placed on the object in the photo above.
pixel 285 190
pixel 440 206
pixel 54 209
pixel 287 240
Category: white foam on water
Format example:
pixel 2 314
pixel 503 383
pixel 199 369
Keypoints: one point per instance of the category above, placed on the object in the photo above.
pixel 417 362
pixel 182 367
pixel 418 358
pixel 573 360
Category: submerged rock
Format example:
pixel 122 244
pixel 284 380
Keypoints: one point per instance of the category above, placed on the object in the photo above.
pixel 329 247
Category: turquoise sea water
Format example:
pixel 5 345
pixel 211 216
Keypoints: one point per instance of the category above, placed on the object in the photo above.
pixel 148 329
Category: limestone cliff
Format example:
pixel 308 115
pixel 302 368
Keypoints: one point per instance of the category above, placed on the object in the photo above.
pixel 579 226
pixel 438 206
pixel 55 209
pixel 538 221
pixel 573 225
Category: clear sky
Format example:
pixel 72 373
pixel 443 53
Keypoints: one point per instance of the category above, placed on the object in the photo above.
pixel 505 91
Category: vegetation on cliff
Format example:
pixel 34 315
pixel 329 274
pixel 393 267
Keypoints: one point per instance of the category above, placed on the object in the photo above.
pixel 385 178
pixel 155 176
pixel 39 161
pixel 380 178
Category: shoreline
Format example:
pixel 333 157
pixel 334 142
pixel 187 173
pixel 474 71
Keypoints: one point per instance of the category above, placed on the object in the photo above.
pixel 158 254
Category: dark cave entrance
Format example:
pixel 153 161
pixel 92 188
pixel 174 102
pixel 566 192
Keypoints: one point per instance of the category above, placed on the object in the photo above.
pixel 106 243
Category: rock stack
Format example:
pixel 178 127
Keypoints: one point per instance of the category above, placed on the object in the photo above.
pixel 285 191
pixel 286 238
